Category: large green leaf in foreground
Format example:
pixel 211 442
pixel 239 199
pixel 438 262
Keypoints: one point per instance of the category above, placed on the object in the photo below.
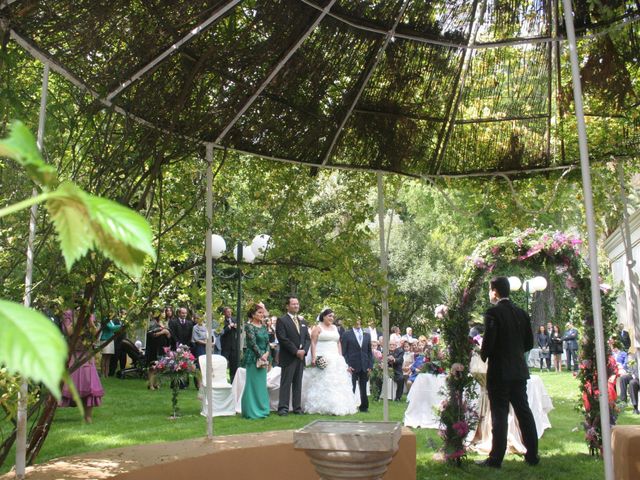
pixel 83 221
pixel 31 345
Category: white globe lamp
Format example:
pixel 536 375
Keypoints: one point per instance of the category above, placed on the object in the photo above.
pixel 260 245
pixel 514 284
pixel 218 246
pixel 539 283
pixel 248 255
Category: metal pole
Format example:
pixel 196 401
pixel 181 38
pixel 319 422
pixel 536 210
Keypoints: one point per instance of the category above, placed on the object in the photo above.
pixel 21 417
pixel 238 304
pixel 601 360
pixel 209 291
pixel 632 279
pixel 385 300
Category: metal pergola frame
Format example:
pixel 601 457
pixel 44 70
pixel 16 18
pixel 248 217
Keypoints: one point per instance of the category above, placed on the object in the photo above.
pixel 50 63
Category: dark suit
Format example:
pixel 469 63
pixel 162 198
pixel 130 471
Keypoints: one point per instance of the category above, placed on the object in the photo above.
pixel 181 334
pixel 290 341
pixel 360 359
pixel 229 345
pixel 625 340
pixel 570 339
pixel 398 376
pixel 507 337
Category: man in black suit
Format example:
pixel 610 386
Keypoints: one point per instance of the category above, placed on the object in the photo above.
pixel 356 349
pixel 293 337
pixel 507 337
pixel 181 329
pixel 229 341
pixel 395 361
pixel 625 339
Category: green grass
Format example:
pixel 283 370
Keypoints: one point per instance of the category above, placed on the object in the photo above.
pixel 132 415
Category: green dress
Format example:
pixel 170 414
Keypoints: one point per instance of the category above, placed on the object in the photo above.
pixel 255 397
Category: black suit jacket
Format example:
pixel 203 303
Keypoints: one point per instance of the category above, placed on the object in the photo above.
pixel 507 336
pixel 229 336
pixel 180 333
pixel 396 364
pixel 290 340
pixel 625 340
pixel 358 358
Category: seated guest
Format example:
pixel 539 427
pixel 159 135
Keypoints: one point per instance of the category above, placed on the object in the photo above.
pixel 629 381
pixel 416 368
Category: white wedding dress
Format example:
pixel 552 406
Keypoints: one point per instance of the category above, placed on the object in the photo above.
pixel 329 391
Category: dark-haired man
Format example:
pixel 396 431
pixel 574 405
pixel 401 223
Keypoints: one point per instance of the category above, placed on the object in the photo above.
pixel 507 337
pixel 294 340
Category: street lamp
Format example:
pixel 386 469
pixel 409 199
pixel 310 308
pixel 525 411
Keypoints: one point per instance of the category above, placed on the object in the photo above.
pixel 531 286
pixel 243 253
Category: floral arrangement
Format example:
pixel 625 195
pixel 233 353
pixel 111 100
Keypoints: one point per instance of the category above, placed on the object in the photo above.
pixel 434 360
pixel 458 416
pixel 539 250
pixel 321 362
pixel 177 365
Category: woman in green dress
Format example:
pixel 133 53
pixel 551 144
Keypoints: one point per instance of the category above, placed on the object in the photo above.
pixel 255 397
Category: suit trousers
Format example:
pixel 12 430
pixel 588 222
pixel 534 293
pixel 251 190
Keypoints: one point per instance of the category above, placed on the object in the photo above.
pixel 399 388
pixel 572 355
pixel 500 396
pixel 361 378
pixel 291 387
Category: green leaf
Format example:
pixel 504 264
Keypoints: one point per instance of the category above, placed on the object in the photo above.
pixel 121 234
pixel 71 221
pixel 84 221
pixel 21 146
pixel 31 345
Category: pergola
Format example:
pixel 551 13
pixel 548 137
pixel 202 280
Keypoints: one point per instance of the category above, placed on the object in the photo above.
pixel 427 89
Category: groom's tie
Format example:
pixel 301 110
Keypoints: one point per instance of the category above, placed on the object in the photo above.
pixel 359 336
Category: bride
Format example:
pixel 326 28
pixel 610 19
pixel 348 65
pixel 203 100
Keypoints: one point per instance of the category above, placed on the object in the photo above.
pixel 328 390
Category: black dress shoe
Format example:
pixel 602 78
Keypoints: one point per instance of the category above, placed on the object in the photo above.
pixel 532 461
pixel 636 412
pixel 364 410
pixel 297 412
pixel 488 463
pixel 282 413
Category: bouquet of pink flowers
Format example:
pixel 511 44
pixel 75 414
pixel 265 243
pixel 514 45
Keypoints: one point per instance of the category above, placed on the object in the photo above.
pixel 177 364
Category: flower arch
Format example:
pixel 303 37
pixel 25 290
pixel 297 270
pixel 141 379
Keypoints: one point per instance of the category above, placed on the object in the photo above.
pixel 537 250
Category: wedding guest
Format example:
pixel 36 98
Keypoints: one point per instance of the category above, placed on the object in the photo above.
pixel 107 331
pixel 273 340
pixel 408 336
pixel 543 341
pixel 85 378
pixel 229 341
pixel 555 347
pixel 199 338
pixel 395 360
pixel 507 337
pixel 395 336
pixel 624 338
pixel 629 382
pixel 372 330
pixel 119 357
pixel 255 397
pixel 181 329
pixel 570 339
pixel 158 338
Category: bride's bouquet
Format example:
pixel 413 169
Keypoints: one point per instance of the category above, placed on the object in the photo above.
pixel 321 362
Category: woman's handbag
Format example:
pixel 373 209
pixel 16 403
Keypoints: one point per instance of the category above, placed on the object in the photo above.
pixel 260 363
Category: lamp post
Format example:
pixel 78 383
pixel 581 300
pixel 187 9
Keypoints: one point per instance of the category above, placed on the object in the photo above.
pixel 531 286
pixel 242 254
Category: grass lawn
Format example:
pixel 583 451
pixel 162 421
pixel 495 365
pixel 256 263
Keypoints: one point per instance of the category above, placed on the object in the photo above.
pixel 132 415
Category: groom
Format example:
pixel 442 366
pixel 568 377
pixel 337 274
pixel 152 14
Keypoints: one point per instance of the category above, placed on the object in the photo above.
pixel 356 348
pixel 294 340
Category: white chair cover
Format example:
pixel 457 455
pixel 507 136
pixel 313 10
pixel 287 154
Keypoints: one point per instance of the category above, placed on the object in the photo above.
pixel 222 395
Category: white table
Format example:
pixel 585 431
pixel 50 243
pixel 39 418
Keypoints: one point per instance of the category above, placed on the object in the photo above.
pixel 427 393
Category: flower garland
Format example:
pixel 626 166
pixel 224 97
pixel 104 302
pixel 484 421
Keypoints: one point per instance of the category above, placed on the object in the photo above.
pixel 537 250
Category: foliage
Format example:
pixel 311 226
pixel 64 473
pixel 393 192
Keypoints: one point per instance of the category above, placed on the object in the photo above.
pixel 434 359
pixel 541 248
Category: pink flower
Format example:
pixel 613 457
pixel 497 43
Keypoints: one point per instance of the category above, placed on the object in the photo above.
pixel 461 428
pixel 570 282
pixel 479 262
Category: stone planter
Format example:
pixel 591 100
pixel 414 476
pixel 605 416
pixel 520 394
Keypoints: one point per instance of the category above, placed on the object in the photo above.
pixel 340 450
